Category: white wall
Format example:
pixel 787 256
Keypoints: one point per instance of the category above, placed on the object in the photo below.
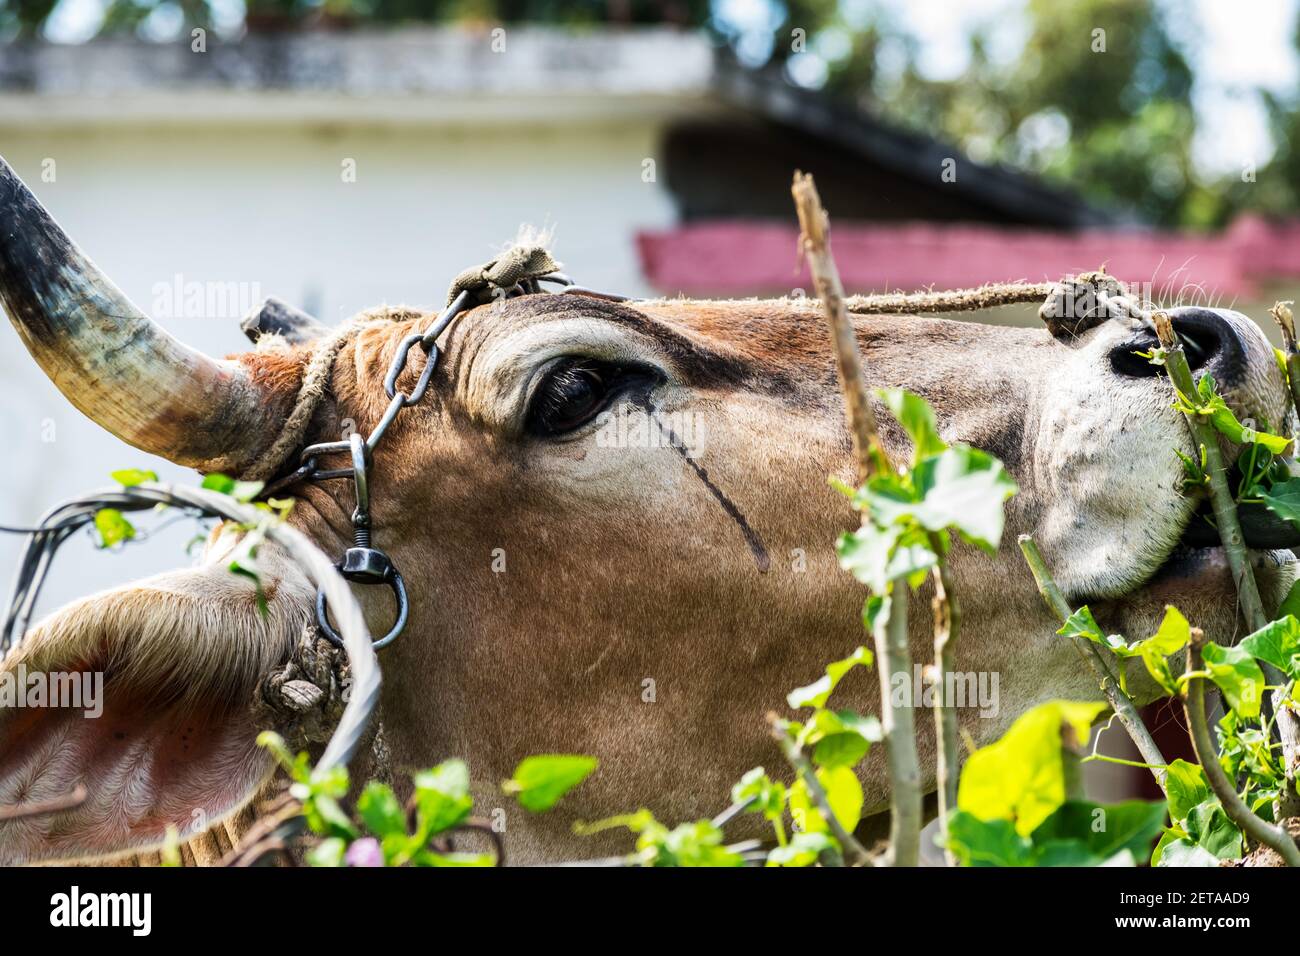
pixel 267 207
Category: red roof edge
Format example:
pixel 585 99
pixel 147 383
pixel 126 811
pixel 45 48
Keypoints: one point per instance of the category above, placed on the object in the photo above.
pixel 730 258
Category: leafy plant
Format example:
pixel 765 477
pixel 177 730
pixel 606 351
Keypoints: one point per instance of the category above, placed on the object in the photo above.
pixel 385 833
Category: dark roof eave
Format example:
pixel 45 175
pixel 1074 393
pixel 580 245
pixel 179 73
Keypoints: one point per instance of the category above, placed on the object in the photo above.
pixel 1011 192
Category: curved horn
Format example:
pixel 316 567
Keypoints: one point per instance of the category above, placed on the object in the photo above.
pixel 111 360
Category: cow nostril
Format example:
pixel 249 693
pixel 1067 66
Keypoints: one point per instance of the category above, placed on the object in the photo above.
pixel 1205 337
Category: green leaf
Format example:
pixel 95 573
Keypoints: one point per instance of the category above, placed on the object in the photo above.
pixel 1237 675
pixel 1277 643
pixel 1185 787
pixel 961 488
pixel 130 477
pixel 1172 636
pixel 843 793
pixel 1078 833
pixel 1182 852
pixel 1081 833
pixel 917 418
pixel 326 817
pixel 328 852
pixel 1213 407
pixel 1082 624
pixel 879 556
pixel 1283 500
pixel 768 795
pixel 1290 605
pixel 380 810
pixel 442 798
pixel 841 738
pixel 244 491
pixel 1208 824
pixel 802 850
pixel 540 781
pixel 976 842
pixel 1022 776
pixel 113 527
pixel 819 691
pixel 429 858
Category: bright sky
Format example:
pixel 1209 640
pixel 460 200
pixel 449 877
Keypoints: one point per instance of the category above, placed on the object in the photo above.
pixel 1238 44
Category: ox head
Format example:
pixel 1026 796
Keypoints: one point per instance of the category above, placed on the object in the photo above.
pixel 615 526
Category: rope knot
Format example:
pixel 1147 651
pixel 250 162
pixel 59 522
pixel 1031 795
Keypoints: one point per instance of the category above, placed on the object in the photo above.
pixel 305 699
pixel 495 279
pixel 1077 303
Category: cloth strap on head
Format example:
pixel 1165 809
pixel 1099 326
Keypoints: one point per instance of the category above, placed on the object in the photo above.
pixel 494 280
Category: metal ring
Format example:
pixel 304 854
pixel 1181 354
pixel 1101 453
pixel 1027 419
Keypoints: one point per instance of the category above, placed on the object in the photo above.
pixel 403 609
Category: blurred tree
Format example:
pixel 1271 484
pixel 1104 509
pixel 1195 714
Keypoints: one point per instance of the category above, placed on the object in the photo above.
pixel 1099 97
pixel 23 18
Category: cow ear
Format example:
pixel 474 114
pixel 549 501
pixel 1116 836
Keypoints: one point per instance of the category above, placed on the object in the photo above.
pixel 145 700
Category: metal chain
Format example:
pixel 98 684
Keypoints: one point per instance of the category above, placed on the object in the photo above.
pixel 363 563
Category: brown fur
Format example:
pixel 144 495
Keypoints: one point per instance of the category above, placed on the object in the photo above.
pixel 629 568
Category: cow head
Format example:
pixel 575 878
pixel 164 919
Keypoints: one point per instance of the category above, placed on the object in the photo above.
pixel 615 527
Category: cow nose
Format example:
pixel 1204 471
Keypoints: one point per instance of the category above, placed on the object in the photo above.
pixel 1209 338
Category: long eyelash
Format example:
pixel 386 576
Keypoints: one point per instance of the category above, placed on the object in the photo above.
pixel 554 393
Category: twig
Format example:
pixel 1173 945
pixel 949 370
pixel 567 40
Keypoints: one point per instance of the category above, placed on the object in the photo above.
pixel 1234 541
pixel 1253 826
pixel 1287 724
pixel 898 726
pixel 74 798
pixel 1281 312
pixel 1225 506
pixel 947 623
pixel 814 242
pixel 1120 702
pixel 854 851
pixel 892 651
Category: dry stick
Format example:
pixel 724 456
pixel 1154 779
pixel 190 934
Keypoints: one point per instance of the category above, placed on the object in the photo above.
pixel 814 243
pixel 898 724
pixel 1234 545
pixel 1120 702
pixel 1253 826
pixel 855 852
pixel 1281 313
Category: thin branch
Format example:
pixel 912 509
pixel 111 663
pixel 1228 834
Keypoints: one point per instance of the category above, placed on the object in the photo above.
pixel 814 243
pixel 1234 541
pixel 1225 506
pixel 1281 312
pixel 892 650
pixel 947 624
pixel 1120 702
pixel 1253 826
pixel 898 725
pixel 854 851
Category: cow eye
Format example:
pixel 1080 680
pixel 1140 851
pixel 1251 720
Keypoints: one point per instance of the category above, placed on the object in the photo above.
pixel 577 390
